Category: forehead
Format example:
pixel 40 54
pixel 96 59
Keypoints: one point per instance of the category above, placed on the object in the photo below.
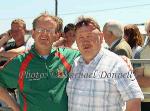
pixel 86 29
pixel 46 21
pixel 70 31
pixel 15 25
pixel 105 28
pixel 148 26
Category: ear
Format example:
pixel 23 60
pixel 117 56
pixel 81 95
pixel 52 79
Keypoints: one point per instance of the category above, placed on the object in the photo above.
pixel 63 34
pixel 56 36
pixel 33 33
pixel 101 36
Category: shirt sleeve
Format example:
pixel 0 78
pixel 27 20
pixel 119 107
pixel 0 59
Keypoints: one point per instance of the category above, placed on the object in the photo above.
pixel 71 55
pixel 127 84
pixel 9 74
pixel 29 43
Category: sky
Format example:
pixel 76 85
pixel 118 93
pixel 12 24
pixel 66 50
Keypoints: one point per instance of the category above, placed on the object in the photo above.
pixel 125 11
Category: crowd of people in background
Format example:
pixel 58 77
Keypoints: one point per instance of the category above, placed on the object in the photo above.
pixel 49 65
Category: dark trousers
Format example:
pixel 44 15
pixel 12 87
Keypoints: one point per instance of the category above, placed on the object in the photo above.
pixel 145 106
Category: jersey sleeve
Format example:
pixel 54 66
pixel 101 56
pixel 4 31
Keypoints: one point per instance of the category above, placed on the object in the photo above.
pixel 9 74
pixel 72 55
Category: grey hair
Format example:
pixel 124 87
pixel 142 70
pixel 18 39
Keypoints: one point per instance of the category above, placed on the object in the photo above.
pixel 115 27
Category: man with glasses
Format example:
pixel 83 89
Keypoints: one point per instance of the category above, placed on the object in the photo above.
pixel 59 39
pixel 40 74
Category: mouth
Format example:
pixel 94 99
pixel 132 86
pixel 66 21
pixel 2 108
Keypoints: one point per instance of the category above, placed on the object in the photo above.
pixel 86 47
pixel 43 38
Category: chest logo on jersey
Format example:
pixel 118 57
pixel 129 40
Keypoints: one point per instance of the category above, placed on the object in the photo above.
pixel 35 75
pixel 60 73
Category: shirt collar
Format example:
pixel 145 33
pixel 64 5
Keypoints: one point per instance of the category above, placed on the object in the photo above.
pixel 33 50
pixel 114 42
pixel 95 60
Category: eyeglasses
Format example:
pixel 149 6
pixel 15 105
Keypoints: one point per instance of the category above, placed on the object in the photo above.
pixel 49 31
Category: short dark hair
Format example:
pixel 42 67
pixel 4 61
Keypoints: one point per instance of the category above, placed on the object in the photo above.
pixel 69 27
pixel 86 21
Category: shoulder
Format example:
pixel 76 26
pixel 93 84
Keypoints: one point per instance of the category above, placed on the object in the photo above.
pixel 113 57
pixel 68 51
pixel 78 59
pixel 20 56
pixel 123 44
pixel 124 48
pixel 145 52
pixel 110 54
pixel 14 62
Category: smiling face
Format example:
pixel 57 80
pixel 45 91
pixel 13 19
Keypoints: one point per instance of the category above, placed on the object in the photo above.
pixel 44 33
pixel 89 40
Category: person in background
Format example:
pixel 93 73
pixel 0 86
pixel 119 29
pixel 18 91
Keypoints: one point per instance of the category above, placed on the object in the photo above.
pixel 17 32
pixel 40 74
pixel 133 37
pixel 113 34
pixel 142 70
pixel 69 35
pixel 147 27
pixel 92 86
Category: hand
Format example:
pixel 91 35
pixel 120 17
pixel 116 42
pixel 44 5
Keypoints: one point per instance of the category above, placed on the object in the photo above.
pixel 1 50
pixel 139 71
pixel 16 108
pixel 128 62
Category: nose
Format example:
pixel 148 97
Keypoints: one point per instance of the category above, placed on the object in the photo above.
pixel 86 41
pixel 44 33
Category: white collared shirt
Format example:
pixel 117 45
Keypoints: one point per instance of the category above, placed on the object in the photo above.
pixel 97 86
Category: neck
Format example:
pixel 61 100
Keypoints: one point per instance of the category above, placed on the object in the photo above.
pixel 112 42
pixel 68 44
pixel 43 51
pixel 20 43
pixel 88 59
